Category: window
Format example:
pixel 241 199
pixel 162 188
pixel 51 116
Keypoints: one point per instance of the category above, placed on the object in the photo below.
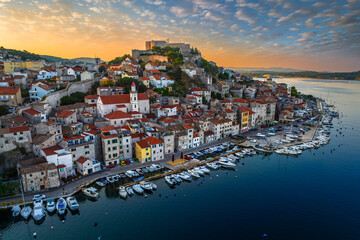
pixel 114 141
pixel 30 175
pixel 87 146
pixel 120 147
pixel 21 132
pixel 147 154
pixel 87 152
pixel 15 133
pixel 42 173
pixel 114 148
pixel 108 141
pixel 154 152
pixel 110 156
pixel 109 148
pixel 115 155
pixel 160 150
pixel 73 149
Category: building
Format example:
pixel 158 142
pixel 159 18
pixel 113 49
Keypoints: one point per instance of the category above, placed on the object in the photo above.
pixel 200 91
pixel 169 142
pixel 10 96
pixel 51 128
pixel 87 75
pixel 118 118
pixel 66 117
pixel 133 102
pixel 61 158
pixel 86 166
pixel 13 137
pixel 150 44
pixel 116 145
pixel 221 128
pixel 12 66
pixel 47 74
pixel 143 151
pixel 39 90
pixel 156 148
pixel 161 81
pixel 37 174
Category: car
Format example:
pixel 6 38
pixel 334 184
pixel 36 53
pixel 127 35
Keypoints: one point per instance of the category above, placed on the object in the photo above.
pixel 110 166
pixel 253 140
pixel 38 197
pixel 127 162
pixel 122 163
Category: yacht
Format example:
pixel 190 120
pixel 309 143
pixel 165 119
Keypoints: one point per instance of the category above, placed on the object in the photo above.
pixel 72 203
pixel 38 211
pixel 129 191
pixel 100 184
pixel 61 206
pixel 226 164
pixel 154 186
pixel 122 192
pixel 204 169
pixel 177 178
pixel 25 212
pixel 50 205
pixel 15 210
pixel 199 171
pixel 137 188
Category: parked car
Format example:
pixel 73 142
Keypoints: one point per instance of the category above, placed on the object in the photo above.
pixel 127 162
pixel 38 197
pixel 122 163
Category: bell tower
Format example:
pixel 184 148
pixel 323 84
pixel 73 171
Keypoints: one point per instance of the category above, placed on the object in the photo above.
pixel 134 103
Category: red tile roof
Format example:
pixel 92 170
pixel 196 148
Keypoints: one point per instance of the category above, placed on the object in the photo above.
pixel 51 150
pixel 65 114
pixel 188 127
pixel 9 90
pixel 32 112
pixel 118 115
pixel 82 160
pixel 228 111
pixel 117 99
pixel 19 129
pixel 143 144
pixel 92 96
pixel 153 140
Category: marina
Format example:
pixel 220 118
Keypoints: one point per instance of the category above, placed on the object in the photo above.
pixel 204 176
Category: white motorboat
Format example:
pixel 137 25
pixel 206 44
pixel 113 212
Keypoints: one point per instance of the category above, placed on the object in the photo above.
pixel 110 179
pixel 177 178
pixel 38 212
pixel 170 180
pixel 91 192
pixel 16 210
pixel 213 166
pixel 72 203
pixel 146 186
pixel 122 192
pixel 154 186
pixel 199 171
pixel 204 169
pixel 61 206
pixel 185 176
pixel 137 188
pixel 25 212
pixel 100 184
pixel 50 205
pixel 194 173
pixel 115 178
pixel 129 191
pixel 226 163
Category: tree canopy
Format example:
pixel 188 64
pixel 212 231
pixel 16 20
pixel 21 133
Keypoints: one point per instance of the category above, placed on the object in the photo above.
pixel 118 60
pixel 73 98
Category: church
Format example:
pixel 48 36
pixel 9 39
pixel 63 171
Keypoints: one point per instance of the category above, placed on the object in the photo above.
pixel 133 102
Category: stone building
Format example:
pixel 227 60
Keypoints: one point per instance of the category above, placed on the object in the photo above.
pixel 12 137
pixel 37 174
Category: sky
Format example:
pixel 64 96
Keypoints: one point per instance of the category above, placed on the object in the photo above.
pixel 321 35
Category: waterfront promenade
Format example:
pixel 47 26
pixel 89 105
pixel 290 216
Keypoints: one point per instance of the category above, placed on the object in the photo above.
pixel 74 186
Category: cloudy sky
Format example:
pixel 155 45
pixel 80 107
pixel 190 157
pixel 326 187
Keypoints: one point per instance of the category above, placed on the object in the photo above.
pixel 321 35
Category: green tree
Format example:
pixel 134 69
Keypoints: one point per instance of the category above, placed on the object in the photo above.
pixel 118 60
pixel 126 82
pixel 101 69
pixel 3 110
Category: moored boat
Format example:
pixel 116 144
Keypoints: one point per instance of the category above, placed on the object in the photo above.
pixel 50 205
pixel 146 186
pixel 100 184
pixel 137 188
pixel 25 212
pixel 226 164
pixel 91 192
pixel 129 191
pixel 38 212
pixel 15 210
pixel 61 206
pixel 72 203
pixel 170 180
pixel 122 192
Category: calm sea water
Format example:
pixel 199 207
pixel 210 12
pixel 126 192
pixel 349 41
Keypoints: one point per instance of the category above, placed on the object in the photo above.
pixel 313 196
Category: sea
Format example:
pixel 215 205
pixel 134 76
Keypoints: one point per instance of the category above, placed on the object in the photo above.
pixel 313 196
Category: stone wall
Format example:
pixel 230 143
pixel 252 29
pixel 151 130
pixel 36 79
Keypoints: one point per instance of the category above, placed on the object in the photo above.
pixel 152 58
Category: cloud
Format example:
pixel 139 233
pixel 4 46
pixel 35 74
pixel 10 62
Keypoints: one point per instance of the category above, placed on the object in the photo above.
pixel 155 2
pixel 95 9
pixel 180 11
pixel 242 15
pixel 286 18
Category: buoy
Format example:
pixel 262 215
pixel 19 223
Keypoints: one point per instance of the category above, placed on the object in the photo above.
pixel 166 195
pixel 95 224
pixel 52 227
pixel 63 221
pixel 174 194
pixel 264 235
pixel 236 176
pixel 145 196
pixel 34 234
pixel 184 195
pixel 106 213
pixel 217 175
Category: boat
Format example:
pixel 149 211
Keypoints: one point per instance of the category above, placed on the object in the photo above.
pixel 194 173
pixel 122 192
pixel 100 184
pixel 154 186
pixel 170 180
pixel 129 191
pixel 110 179
pixel 264 149
pixel 61 206
pixel 185 176
pixel 226 164
pixel 91 192
pixel 115 178
pixel 16 210
pixel 146 186
pixel 25 212
pixel 139 171
pixel 199 171
pixel 72 203
pixel 177 178
pixel 139 178
pixel 204 169
pixel 38 212
pixel 130 174
pixel 145 170
pixel 213 166
pixel 50 205
pixel 137 188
